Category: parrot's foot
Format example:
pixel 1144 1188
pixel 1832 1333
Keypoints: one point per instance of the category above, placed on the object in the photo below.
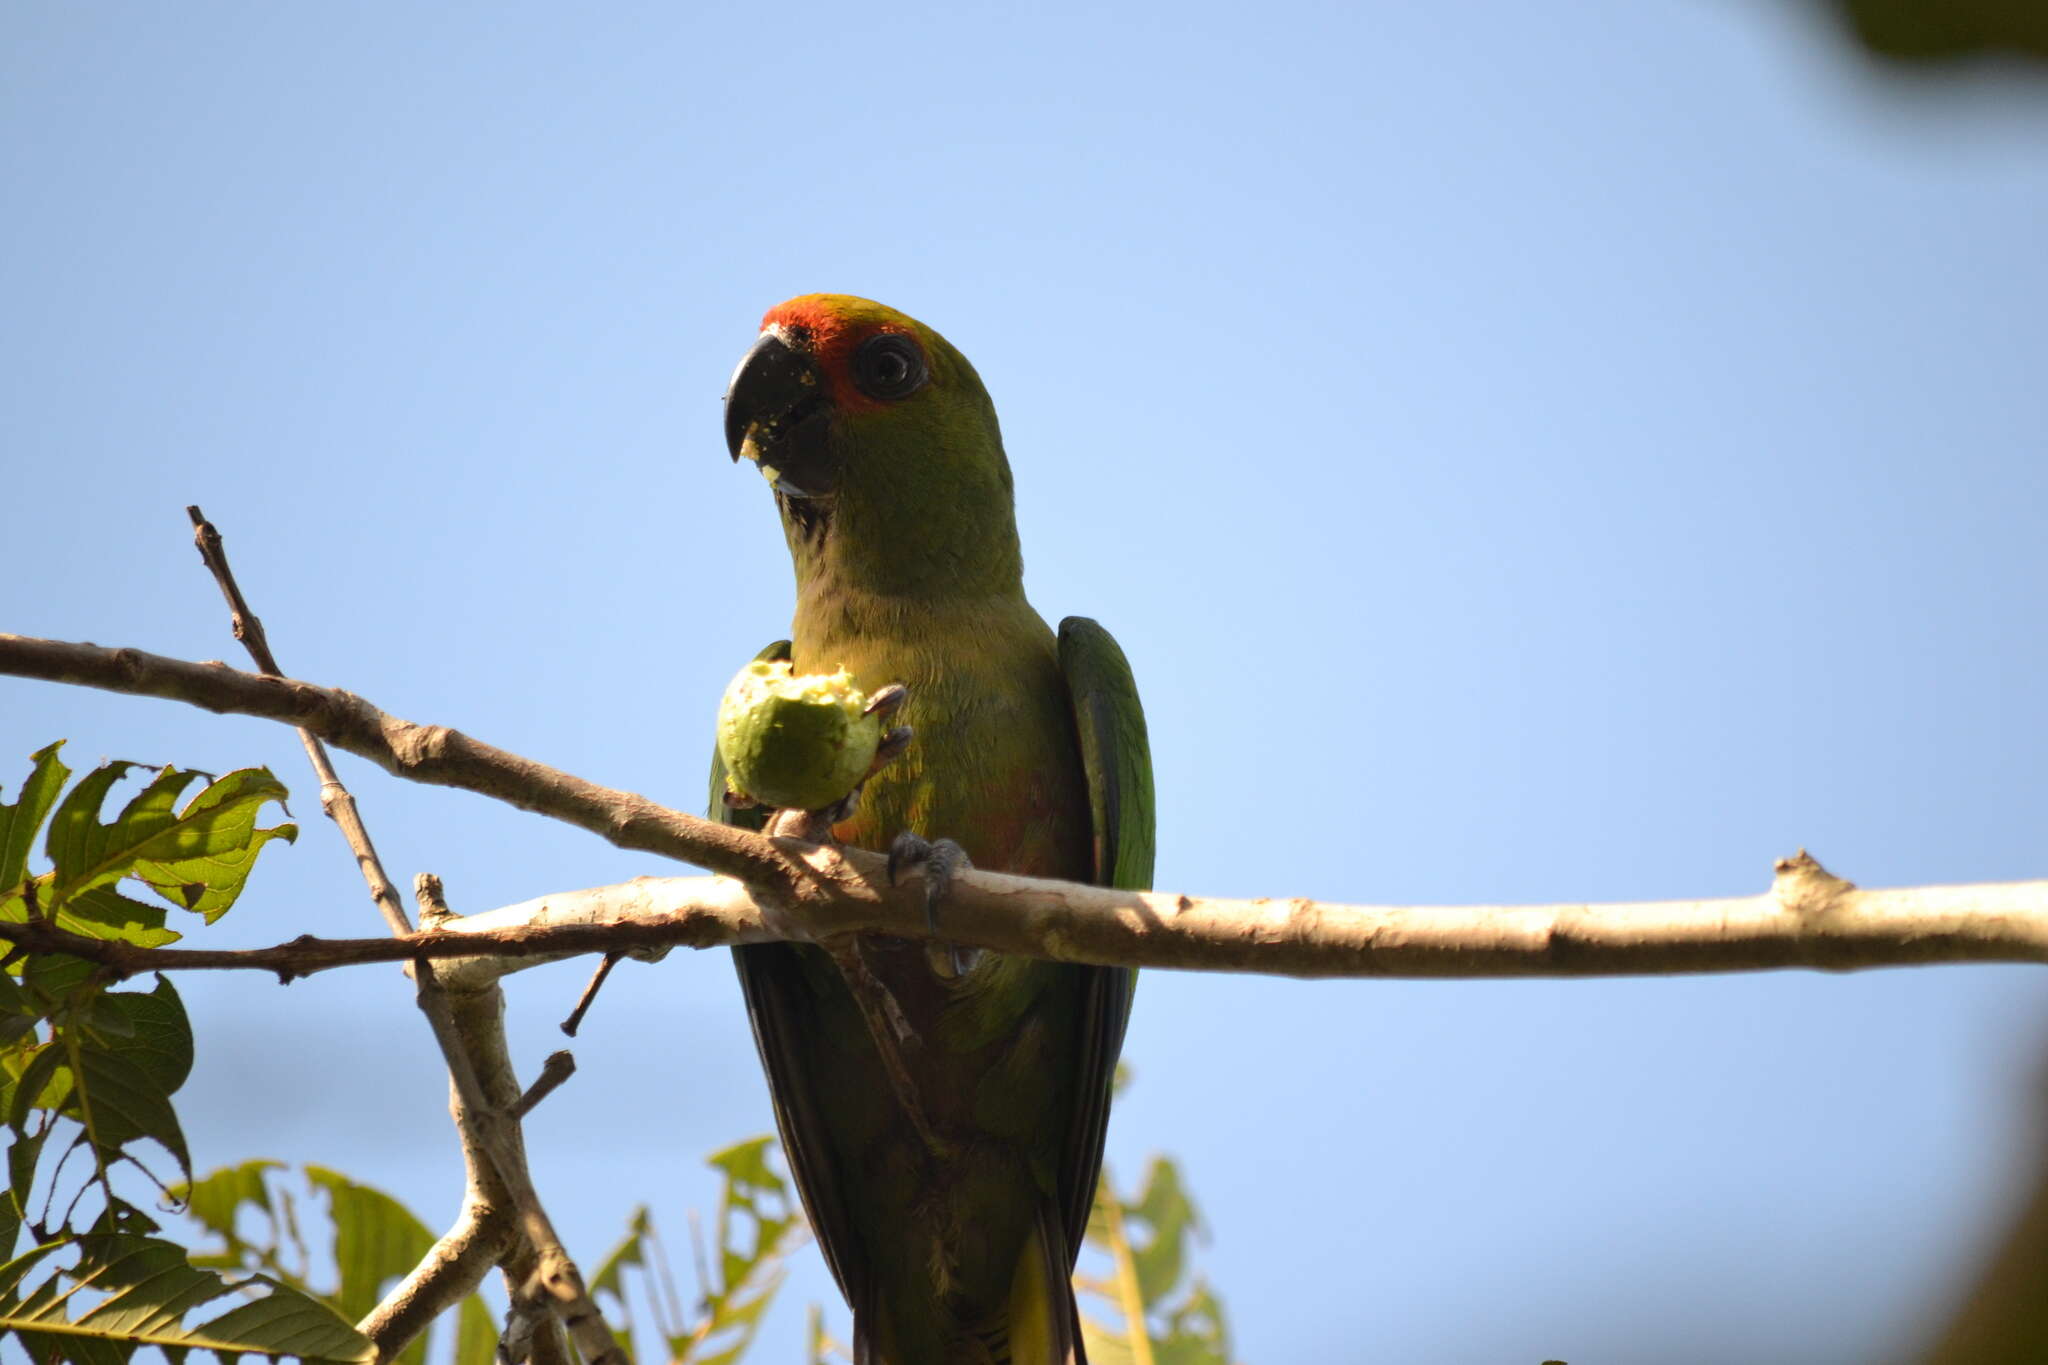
pixel 941 860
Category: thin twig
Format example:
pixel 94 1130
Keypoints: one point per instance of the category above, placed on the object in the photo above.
pixel 335 799
pixel 589 996
pixel 559 1067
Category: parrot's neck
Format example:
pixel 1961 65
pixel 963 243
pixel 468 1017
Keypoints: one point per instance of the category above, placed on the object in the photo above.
pixel 838 616
pixel 923 546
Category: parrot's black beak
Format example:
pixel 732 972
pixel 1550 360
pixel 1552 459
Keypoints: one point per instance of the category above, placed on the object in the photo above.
pixel 775 405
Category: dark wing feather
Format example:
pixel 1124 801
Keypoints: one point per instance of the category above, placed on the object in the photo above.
pixel 1117 759
pixel 781 1005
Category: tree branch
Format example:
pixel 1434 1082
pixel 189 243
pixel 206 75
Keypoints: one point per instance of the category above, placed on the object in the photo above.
pixel 1807 919
pixel 432 754
pixel 807 892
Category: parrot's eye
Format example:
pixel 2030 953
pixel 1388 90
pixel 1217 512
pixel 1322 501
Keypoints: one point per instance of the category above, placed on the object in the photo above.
pixel 889 365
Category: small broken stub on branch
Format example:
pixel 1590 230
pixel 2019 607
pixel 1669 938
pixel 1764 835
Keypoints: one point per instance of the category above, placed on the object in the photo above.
pixel 1804 887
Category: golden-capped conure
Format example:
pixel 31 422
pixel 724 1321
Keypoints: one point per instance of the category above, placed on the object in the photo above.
pixel 952 1231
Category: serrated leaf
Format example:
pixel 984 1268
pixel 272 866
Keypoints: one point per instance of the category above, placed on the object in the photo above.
pixel 20 821
pixel 159 1034
pixel 120 1096
pixel 52 979
pixel 122 1217
pixel 197 858
pixel 150 1287
pixel 216 843
pixel 103 912
pixel 87 852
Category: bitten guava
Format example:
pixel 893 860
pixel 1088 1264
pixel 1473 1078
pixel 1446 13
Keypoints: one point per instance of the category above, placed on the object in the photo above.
pixel 795 742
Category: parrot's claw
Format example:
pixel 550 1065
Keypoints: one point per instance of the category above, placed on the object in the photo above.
pixel 887 702
pixel 940 860
pixel 890 749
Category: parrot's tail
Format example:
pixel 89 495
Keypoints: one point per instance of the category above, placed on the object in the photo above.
pixel 1042 1324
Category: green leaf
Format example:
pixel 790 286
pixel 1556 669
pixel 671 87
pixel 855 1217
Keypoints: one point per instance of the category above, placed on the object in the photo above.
pixel 1166 1209
pixel 103 912
pixel 476 1333
pixel 198 858
pixel 86 852
pixel 216 1199
pixel 44 1084
pixel 1147 1244
pixel 120 1096
pixel 204 867
pixel 55 979
pixel 745 1165
pixel 376 1240
pixel 1196 1333
pixel 20 821
pixel 158 1033
pixel 22 1155
pixel 150 1287
pixel 757 1229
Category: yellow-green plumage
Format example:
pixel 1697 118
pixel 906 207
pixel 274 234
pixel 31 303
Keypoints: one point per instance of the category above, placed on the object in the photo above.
pixel 1029 752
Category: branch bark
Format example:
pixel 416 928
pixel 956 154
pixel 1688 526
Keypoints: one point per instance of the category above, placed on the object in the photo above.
pixel 787 889
pixel 432 754
pixel 1852 928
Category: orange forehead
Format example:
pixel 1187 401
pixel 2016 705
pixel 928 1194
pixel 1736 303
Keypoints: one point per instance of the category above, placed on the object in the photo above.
pixel 835 325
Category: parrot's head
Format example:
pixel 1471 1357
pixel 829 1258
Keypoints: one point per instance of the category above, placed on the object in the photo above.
pixel 881 445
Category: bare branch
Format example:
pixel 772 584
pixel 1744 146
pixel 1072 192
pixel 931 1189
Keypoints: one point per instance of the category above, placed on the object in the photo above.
pixel 1807 919
pixel 432 754
pixel 1842 928
pixel 335 800
pixel 451 1270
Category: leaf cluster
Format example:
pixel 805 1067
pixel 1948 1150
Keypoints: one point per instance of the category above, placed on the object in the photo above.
pixel 375 1240
pixel 88 1071
pixel 1158 1311
pixel 757 1227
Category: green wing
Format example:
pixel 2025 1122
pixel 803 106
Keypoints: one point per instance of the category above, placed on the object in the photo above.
pixel 1117 759
pixel 781 1006
pixel 1114 751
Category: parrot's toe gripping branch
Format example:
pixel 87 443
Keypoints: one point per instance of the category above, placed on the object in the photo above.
pixel 941 860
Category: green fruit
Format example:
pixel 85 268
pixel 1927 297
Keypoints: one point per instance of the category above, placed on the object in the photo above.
pixel 795 742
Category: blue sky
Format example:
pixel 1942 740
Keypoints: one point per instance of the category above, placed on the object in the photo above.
pixel 1618 427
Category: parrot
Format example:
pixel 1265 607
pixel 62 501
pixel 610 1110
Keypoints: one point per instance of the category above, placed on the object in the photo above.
pixel 950 1212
